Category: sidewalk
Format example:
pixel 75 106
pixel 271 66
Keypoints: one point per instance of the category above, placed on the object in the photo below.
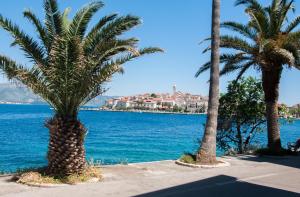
pixel 247 176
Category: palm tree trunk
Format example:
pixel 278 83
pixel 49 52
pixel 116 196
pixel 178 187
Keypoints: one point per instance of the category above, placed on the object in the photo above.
pixel 66 154
pixel 207 151
pixel 271 80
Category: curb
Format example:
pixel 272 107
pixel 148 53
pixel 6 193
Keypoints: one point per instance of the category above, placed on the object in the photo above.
pixel 45 185
pixel 219 165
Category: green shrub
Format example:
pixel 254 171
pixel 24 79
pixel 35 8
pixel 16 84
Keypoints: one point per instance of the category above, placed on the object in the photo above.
pixel 188 158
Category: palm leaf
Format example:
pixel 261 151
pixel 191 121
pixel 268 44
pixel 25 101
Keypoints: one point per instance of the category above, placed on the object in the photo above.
pixel 111 30
pixel 234 42
pixel 79 23
pixel 243 69
pixel 26 43
pixel 240 28
pixel 292 25
pixel 53 19
pixel 39 27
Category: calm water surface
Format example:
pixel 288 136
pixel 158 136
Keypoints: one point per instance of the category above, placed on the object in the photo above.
pixel 112 137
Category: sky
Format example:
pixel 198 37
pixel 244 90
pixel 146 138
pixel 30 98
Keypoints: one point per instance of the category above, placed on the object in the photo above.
pixel 177 26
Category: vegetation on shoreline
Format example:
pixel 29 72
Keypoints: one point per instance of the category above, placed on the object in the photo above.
pixel 241 115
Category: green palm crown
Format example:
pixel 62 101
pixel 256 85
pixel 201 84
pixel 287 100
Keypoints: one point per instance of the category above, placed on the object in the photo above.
pixel 269 41
pixel 70 65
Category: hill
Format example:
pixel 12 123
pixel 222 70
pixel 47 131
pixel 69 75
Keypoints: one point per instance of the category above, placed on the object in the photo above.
pixel 13 93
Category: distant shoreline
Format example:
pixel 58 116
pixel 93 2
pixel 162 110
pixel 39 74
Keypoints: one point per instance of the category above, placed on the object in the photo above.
pixel 11 103
pixel 140 111
pixel 130 111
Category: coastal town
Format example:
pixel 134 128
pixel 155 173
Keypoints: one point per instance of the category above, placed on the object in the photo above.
pixel 176 101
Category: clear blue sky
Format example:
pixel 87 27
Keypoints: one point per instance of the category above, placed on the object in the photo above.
pixel 177 26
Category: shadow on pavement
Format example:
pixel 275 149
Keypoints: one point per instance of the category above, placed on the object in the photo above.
pixel 290 161
pixel 220 186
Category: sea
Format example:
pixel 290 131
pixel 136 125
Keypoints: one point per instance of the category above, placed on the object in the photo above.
pixel 112 137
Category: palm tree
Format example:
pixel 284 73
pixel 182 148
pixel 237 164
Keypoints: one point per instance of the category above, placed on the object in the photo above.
pixel 207 151
pixel 70 66
pixel 268 43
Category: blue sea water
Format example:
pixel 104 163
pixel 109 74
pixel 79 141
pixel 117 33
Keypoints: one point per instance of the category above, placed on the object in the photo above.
pixel 112 137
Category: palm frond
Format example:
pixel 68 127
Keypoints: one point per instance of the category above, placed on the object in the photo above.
pixel 293 37
pixel 79 23
pixel 240 28
pixel 53 19
pixel 33 79
pixel 252 4
pixel 101 23
pixel 285 56
pixel 292 25
pixel 107 49
pixel 39 27
pixel 229 68
pixel 294 50
pixel 265 42
pixel 260 22
pixel 31 48
pixel 150 50
pixel 111 30
pixel 203 68
pixel 65 20
pixel 233 62
pixel 280 14
pixel 234 42
pixel 228 59
pixel 98 90
pixel 243 69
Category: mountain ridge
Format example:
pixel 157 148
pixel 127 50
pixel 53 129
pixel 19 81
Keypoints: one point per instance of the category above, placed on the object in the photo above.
pixel 16 93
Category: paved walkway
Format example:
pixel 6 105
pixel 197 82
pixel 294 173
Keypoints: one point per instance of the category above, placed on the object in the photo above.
pixel 247 176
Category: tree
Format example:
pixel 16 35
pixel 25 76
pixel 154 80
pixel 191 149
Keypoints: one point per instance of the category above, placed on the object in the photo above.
pixel 295 111
pixel 69 68
pixel 207 151
pixel 176 108
pixel 200 109
pixel 283 110
pixel 241 115
pixel 267 43
pixel 153 95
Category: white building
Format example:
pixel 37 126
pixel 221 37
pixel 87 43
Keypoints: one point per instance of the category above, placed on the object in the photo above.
pixel 168 102
pixel 122 104
pixel 195 105
pixel 150 104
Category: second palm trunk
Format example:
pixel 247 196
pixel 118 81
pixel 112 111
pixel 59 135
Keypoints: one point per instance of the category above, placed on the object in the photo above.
pixel 207 151
pixel 271 80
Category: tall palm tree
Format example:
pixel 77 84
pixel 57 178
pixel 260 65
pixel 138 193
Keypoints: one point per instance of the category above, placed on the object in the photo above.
pixel 268 43
pixel 70 66
pixel 207 151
